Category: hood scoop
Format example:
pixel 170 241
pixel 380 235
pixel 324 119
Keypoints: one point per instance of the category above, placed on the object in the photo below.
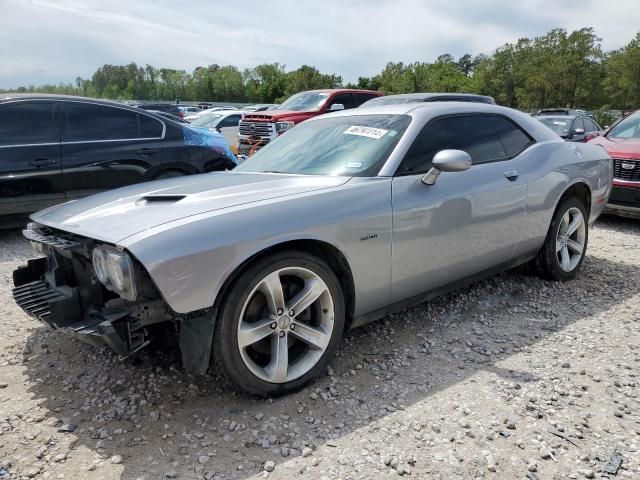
pixel 164 199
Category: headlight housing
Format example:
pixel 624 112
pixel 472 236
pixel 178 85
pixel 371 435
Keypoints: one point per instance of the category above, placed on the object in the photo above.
pixel 115 270
pixel 283 126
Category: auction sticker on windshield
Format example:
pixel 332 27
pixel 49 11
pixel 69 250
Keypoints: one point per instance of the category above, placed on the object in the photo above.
pixel 370 132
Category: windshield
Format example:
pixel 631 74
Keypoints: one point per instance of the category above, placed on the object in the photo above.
pixel 305 102
pixel 627 128
pixel 354 146
pixel 560 126
pixel 207 120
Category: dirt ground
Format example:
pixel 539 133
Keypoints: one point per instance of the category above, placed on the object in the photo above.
pixel 513 377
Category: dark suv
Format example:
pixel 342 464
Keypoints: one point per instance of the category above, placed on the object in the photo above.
pixel 58 148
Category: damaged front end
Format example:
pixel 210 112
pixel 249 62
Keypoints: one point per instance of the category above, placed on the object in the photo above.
pixel 93 291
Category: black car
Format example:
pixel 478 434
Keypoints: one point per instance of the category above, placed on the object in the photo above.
pixel 57 148
pixel 570 127
pixel 171 108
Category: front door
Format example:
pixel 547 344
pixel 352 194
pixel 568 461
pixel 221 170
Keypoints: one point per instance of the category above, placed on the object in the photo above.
pixel 467 222
pixel 30 168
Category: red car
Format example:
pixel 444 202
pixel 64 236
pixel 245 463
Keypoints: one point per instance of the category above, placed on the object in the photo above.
pixel 622 142
pixel 259 128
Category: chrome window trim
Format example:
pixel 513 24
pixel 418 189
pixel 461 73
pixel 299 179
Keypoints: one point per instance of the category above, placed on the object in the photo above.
pixel 31 145
pixel 70 100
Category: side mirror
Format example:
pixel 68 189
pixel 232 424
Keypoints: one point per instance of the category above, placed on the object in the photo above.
pixel 336 107
pixel 447 161
pixel 578 131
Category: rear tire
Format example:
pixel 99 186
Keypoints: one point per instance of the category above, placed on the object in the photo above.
pixel 562 254
pixel 280 323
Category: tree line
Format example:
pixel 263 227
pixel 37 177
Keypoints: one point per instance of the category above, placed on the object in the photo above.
pixel 567 69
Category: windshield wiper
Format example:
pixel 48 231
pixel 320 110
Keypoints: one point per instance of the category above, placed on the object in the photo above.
pixel 273 171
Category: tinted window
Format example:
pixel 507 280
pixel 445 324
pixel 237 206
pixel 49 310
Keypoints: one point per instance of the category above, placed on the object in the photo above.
pixel 230 121
pixel 360 98
pixel 473 134
pixel 344 99
pixel 149 127
pixel 28 122
pixel 514 140
pixel 86 122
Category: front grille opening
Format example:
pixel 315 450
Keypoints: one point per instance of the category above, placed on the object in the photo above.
pixel 622 170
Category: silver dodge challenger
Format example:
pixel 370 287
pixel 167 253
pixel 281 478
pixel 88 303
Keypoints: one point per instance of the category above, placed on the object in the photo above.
pixel 342 220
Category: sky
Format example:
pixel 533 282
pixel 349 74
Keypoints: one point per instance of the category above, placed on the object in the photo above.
pixel 52 41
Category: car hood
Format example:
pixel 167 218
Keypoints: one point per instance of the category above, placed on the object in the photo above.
pixel 115 215
pixel 619 147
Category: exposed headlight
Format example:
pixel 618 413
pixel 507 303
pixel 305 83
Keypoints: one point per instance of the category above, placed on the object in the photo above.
pixel 115 271
pixel 283 126
pixel 100 265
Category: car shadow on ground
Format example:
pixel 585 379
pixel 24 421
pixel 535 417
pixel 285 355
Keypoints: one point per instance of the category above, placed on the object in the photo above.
pixel 161 419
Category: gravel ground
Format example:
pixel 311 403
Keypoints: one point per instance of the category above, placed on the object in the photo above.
pixel 513 377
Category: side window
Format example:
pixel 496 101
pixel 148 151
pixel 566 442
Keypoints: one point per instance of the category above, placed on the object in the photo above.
pixel 474 134
pixel 149 127
pixel 344 99
pixel 28 123
pixel 578 123
pixel 513 138
pixel 360 98
pixel 591 125
pixel 230 121
pixel 87 122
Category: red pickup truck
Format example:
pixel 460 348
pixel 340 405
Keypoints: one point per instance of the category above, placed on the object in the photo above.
pixel 258 129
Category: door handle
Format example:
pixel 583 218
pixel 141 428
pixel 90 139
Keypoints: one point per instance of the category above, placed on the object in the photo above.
pixel 511 175
pixel 146 151
pixel 42 162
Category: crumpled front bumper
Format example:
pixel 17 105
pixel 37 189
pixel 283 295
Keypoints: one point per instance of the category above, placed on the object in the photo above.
pixel 60 308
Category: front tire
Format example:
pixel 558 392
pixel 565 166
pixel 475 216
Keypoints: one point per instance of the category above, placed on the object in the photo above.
pixel 564 248
pixel 280 323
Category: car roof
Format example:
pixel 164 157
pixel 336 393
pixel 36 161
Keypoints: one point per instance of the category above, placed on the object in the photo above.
pixel 424 96
pixel 52 96
pixel 9 97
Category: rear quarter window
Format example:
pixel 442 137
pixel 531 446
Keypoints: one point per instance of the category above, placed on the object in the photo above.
pixel 513 138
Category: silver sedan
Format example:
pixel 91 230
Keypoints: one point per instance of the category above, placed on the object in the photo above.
pixel 341 220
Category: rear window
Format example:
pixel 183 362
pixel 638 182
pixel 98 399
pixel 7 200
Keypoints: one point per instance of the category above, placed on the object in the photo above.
pixel 28 123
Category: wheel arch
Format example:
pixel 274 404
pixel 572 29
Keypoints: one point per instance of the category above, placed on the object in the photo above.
pixel 579 189
pixel 327 251
pixel 184 168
